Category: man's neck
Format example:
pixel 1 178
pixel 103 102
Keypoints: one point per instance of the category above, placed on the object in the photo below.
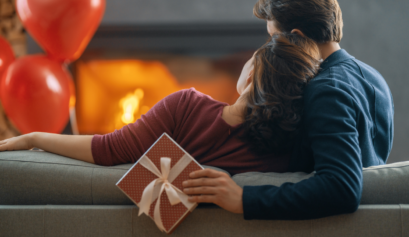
pixel 327 49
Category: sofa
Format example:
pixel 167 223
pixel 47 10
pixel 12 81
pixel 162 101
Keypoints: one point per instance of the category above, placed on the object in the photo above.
pixel 43 194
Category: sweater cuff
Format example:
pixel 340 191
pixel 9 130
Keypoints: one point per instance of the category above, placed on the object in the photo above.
pixel 98 154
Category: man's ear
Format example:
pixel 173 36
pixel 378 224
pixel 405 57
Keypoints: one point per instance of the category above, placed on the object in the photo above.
pixel 298 32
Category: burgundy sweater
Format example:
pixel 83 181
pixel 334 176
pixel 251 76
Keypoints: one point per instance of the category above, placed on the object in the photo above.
pixel 194 120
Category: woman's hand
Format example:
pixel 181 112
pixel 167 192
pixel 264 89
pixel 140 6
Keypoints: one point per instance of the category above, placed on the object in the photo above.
pixel 76 147
pixel 16 143
pixel 210 186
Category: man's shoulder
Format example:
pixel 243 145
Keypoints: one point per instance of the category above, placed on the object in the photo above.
pixel 351 76
pixel 343 72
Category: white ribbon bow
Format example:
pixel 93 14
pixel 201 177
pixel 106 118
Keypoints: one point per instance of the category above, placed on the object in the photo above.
pixel 163 182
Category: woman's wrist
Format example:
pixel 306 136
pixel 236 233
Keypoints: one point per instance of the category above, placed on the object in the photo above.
pixel 31 138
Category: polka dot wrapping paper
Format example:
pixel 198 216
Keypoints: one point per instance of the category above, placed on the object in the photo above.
pixel 138 177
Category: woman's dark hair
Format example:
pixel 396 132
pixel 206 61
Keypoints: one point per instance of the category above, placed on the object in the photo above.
pixel 320 20
pixel 282 68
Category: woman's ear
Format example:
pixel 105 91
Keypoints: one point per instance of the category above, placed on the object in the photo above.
pixel 298 32
pixel 250 77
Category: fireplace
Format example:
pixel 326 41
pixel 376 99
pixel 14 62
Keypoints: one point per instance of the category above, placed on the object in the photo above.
pixel 126 70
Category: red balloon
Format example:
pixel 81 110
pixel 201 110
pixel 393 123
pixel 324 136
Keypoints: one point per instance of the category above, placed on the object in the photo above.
pixel 6 55
pixel 35 93
pixel 62 28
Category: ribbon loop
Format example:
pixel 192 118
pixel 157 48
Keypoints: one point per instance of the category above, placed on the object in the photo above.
pixel 172 195
pixel 165 167
pixel 156 187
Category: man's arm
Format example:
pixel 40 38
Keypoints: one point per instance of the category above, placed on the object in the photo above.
pixel 337 186
pixel 76 147
pixel 331 124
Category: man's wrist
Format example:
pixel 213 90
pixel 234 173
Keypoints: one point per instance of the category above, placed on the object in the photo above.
pixel 240 208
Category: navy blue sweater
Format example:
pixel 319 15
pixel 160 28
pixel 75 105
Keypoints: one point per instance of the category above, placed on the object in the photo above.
pixel 347 124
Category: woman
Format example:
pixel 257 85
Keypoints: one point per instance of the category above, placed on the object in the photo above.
pixel 254 134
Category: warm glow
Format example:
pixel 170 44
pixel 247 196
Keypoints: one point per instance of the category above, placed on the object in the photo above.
pixel 130 105
pixel 72 101
pixel 145 109
pixel 113 93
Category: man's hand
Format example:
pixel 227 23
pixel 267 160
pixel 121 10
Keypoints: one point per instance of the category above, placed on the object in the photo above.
pixel 16 143
pixel 210 186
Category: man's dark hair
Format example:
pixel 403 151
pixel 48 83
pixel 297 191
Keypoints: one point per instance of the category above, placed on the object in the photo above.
pixel 320 20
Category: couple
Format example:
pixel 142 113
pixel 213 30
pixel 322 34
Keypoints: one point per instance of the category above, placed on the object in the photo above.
pixel 305 105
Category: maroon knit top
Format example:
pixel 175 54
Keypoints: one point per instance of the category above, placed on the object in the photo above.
pixel 194 120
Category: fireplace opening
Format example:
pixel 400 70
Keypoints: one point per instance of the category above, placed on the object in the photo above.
pixel 125 71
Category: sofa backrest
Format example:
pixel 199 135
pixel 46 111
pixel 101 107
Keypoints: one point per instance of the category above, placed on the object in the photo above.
pixel 41 178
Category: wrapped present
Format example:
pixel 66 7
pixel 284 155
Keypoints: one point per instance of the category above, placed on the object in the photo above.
pixel 154 183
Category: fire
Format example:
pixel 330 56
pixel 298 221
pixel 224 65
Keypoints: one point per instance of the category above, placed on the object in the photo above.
pixel 130 105
pixel 114 93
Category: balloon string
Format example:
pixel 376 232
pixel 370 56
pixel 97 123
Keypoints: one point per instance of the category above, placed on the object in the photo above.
pixel 73 121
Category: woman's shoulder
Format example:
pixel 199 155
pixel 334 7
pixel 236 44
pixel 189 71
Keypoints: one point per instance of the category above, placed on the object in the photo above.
pixel 191 96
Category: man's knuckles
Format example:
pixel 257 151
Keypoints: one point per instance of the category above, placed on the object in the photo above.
pixel 223 191
pixel 203 198
pixel 200 190
pixel 222 181
pixel 192 182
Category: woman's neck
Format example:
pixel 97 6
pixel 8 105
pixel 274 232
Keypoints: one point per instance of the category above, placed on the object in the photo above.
pixel 234 114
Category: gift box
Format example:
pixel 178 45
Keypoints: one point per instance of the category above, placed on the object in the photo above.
pixel 154 183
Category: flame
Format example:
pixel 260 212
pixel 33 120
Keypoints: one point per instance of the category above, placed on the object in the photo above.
pixel 106 96
pixel 130 105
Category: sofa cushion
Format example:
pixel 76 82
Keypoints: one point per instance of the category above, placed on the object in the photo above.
pixel 39 178
pixel 384 184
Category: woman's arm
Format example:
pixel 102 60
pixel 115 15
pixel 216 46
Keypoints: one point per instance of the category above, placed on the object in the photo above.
pixel 119 147
pixel 76 147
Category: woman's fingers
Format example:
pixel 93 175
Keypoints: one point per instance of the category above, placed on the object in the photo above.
pixel 14 144
pixel 3 147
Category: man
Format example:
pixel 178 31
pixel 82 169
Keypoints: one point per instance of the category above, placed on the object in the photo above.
pixel 347 125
